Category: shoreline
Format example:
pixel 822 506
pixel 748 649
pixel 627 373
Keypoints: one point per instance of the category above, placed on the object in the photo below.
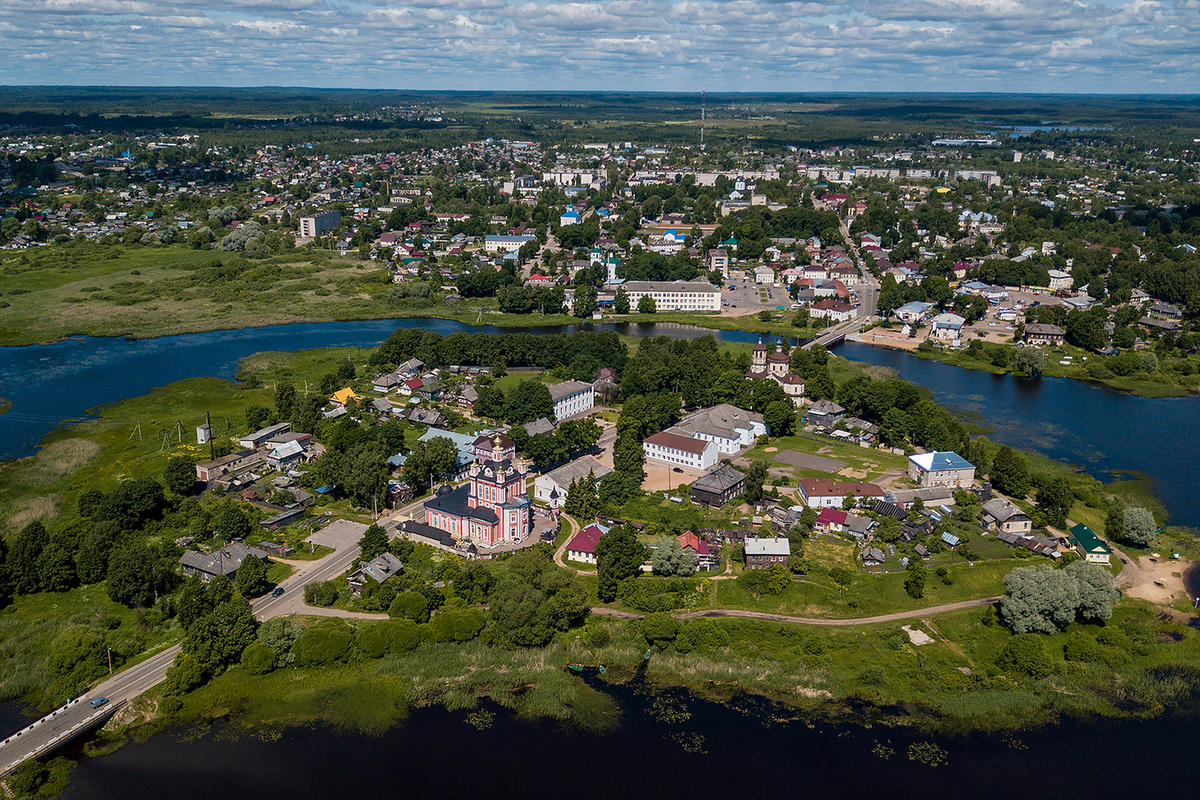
pixel 1132 388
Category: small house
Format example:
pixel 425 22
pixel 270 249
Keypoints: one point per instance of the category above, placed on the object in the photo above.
pixel 379 569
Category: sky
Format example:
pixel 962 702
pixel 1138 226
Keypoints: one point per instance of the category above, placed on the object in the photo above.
pixel 648 45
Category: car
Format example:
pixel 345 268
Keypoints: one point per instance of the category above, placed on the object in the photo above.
pixel 676 469
pixel 278 590
pixel 99 701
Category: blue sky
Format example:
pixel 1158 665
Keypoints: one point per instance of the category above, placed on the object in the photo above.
pixel 667 45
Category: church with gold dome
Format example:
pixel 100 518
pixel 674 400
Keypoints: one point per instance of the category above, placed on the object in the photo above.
pixel 491 509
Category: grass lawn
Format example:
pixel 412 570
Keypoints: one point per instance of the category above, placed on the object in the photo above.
pixel 863 464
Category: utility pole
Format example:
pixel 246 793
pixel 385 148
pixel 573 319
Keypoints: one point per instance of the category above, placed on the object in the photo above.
pixel 109 649
pixel 702 109
pixel 179 430
pixel 137 429
pixel 212 451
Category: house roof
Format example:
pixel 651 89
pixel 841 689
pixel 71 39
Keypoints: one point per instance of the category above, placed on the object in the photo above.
pixel 344 396
pixel 940 460
pixel 1086 538
pixel 831 516
pixel 761 546
pixel 220 562
pixel 719 480
pixel 379 569
pixel 1002 510
pixel 567 388
pixel 676 442
pixel 689 540
pixel 585 541
pixel 579 468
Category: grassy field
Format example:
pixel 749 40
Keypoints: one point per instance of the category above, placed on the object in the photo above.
pixel 862 464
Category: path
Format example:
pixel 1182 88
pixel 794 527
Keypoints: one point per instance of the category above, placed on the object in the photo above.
pixel 562 548
pixel 741 613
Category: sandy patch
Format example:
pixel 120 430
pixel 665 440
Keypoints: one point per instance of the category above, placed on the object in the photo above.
pixel 857 474
pixel 1159 581
pixel 815 694
pixel 917 636
pixel 770 449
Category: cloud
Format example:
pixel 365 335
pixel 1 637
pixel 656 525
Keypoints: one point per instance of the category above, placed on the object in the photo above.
pixel 748 45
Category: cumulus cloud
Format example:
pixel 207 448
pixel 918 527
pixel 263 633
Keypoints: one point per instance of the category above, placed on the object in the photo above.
pixel 748 45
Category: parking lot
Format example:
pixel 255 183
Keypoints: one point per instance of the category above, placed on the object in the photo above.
pixel 747 297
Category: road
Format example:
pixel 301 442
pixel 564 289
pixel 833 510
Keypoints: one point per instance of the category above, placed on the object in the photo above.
pixel 134 680
pixel 737 612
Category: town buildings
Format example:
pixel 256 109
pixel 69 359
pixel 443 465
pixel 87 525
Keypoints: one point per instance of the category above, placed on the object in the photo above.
pixel 764 552
pixel 828 493
pixel 776 366
pixel 314 225
pixel 571 398
pixel 715 489
pixel 553 487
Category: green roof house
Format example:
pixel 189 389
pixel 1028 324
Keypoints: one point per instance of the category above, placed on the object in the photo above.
pixel 1094 551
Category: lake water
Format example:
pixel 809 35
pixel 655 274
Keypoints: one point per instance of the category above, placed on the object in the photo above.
pixel 717 753
pixel 1068 420
pixel 1080 423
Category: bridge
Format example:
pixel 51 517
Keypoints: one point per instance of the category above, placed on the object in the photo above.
pixel 77 717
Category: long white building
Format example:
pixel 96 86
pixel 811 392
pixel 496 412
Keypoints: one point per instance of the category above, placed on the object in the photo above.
pixel 571 397
pixel 675 295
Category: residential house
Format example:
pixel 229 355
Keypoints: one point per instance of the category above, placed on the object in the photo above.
pixel 873 557
pixel 716 488
pixel 828 493
pixel 231 464
pixel 763 552
pixel 1038 333
pixel 947 328
pixel 262 434
pixel 833 309
pixel 824 413
pixel 1094 550
pixel 225 561
pixel 692 544
pixel 379 569
pixel 582 546
pixel 913 312
pixel 343 397
pixel 681 451
pixel 1001 515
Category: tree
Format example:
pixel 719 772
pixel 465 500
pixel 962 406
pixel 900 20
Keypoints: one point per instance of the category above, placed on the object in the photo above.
pixel 1024 653
pixel 232 523
pixel 1139 526
pixel 179 476
pixel 669 558
pixel 56 564
pixel 646 305
pixel 251 578
pixel 1055 498
pixel 914 581
pixel 659 629
pixel 621 301
pixel 1031 361
pixel 285 400
pixel 756 475
pixel 1039 599
pixel 629 457
pixel 374 542
pixel 619 555
pixel 136 575
pixel 1114 522
pixel 1096 590
pixel 6 591
pixel 780 417
pixel 326 642
pixel 24 558
pixel 529 400
pixel 257 416
pixel 1010 473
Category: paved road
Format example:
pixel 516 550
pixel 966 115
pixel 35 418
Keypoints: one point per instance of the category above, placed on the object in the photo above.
pixel 737 612
pixel 132 681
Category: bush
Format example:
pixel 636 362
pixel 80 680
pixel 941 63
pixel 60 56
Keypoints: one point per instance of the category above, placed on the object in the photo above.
pixel 1081 647
pixel 326 642
pixel 410 605
pixel 377 639
pixel 457 625
pixel 258 659
pixel 660 629
pixel 652 596
pixel 1024 653
pixel 701 635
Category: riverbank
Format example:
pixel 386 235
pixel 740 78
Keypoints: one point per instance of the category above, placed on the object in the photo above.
pixel 1152 385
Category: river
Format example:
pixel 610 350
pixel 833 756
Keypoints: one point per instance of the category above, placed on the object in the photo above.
pixel 718 752
pixel 1072 421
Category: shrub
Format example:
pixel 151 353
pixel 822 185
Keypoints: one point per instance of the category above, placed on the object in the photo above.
pixel 660 629
pixel 700 635
pixel 258 659
pixel 457 625
pixel 1024 653
pixel 1081 647
pixel 652 596
pixel 326 642
pixel 410 605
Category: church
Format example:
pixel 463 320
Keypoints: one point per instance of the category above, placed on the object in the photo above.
pixel 776 366
pixel 491 509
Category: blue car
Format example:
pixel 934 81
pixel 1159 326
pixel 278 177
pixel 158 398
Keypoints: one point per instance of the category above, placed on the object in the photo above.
pixel 99 701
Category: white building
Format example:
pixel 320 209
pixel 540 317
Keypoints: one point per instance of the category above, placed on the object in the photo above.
pixel 1059 280
pixel 728 427
pixel 675 295
pixel 506 244
pixel 680 451
pixel 764 275
pixel 571 397
pixel 554 486
pixel 314 225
